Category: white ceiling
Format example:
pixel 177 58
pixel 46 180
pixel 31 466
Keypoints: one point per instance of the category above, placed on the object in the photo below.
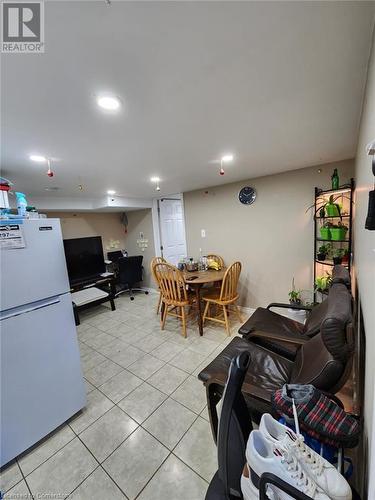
pixel 279 84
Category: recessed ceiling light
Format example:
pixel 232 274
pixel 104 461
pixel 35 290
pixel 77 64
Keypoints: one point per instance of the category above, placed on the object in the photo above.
pixel 111 192
pixel 109 103
pixel 38 158
pixel 227 158
pixel 155 179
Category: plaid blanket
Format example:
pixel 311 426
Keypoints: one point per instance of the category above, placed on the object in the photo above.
pixel 318 415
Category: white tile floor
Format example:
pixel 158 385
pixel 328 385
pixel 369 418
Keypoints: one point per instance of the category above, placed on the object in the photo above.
pixel 144 433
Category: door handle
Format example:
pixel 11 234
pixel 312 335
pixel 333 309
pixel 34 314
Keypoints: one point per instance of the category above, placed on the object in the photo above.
pixel 25 310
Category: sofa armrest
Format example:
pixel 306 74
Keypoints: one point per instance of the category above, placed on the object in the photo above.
pixel 289 306
pixel 280 337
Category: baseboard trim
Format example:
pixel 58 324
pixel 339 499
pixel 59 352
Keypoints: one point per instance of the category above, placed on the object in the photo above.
pixel 247 310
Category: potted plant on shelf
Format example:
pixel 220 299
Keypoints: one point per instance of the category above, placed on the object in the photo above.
pixel 345 257
pixel 332 208
pixel 325 231
pixel 338 231
pixel 328 208
pixel 322 283
pixel 323 251
pixel 338 255
pixel 294 295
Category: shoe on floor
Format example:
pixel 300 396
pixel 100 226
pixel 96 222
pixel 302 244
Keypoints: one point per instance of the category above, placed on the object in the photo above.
pixel 264 456
pixel 324 474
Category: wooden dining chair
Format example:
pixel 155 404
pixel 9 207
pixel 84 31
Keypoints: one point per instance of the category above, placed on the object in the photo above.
pixel 154 261
pixel 225 297
pixel 174 295
pixel 216 258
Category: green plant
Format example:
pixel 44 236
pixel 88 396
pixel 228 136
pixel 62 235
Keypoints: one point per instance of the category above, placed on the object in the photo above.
pixel 322 204
pixel 294 295
pixel 340 252
pixel 322 283
pixel 339 225
pixel 326 249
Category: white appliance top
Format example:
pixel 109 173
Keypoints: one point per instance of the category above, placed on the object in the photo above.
pixel 34 268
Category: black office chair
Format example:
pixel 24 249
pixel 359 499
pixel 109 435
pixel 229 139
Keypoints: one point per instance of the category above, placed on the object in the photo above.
pixel 130 272
pixel 115 256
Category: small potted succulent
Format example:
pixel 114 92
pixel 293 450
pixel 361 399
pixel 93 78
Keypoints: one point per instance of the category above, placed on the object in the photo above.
pixel 338 231
pixel 294 295
pixel 345 257
pixel 323 251
pixel 325 230
pixel 338 255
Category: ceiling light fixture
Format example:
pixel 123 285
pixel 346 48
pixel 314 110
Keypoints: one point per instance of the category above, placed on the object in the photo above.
pixel 109 103
pixel 157 181
pixel 111 192
pixel 38 158
pixel 225 159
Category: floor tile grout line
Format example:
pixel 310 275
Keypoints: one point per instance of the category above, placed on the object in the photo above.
pixel 15 462
pixel 171 452
pixel 153 475
pixel 53 454
pixel 100 463
pixel 105 472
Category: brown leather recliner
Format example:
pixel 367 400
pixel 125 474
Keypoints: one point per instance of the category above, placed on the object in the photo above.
pixel 323 361
pixel 267 328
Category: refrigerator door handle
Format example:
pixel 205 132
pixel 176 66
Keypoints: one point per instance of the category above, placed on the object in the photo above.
pixel 27 309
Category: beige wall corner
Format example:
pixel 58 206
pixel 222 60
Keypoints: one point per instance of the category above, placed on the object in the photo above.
pixel 273 238
pixel 140 221
pixel 84 224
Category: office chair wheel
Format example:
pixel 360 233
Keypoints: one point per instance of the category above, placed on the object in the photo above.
pixel 146 293
pixel 131 298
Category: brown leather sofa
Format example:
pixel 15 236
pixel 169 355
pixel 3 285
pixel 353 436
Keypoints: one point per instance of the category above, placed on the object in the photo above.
pixel 279 333
pixel 323 361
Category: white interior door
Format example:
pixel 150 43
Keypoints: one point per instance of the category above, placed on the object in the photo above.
pixel 172 229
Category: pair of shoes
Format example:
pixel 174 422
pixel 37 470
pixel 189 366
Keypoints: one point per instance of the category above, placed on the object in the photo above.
pixel 276 448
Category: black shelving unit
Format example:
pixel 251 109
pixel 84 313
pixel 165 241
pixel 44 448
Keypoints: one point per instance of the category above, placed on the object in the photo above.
pixel 345 194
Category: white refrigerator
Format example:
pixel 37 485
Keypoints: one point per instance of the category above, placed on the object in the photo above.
pixel 41 378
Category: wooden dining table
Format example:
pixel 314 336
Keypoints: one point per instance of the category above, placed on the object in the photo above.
pixel 195 280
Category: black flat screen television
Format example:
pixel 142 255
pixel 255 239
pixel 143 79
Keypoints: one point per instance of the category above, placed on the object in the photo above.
pixel 84 258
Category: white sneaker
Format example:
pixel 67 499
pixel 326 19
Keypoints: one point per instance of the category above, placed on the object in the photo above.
pixel 324 474
pixel 249 491
pixel 264 456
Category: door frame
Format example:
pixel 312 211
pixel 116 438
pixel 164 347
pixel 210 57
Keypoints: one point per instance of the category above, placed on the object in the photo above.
pixel 156 220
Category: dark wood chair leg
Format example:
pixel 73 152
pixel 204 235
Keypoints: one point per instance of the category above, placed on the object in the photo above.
pixel 76 315
pixel 112 302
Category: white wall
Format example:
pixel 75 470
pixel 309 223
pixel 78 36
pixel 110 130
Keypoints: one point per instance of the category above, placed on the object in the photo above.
pixel 364 245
